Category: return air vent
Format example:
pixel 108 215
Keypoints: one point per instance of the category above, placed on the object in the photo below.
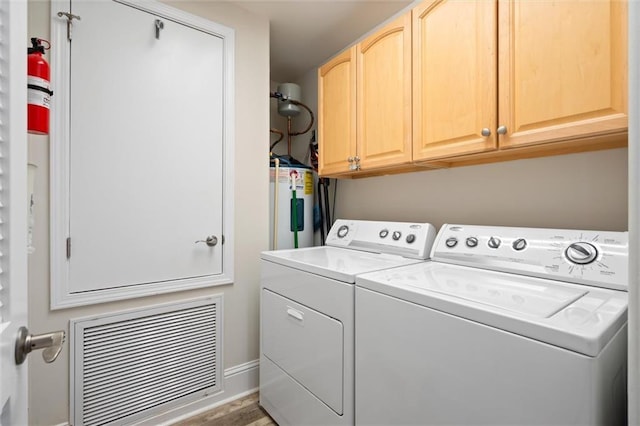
pixel 132 365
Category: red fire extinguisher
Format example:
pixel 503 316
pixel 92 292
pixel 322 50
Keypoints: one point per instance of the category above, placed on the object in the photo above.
pixel 39 91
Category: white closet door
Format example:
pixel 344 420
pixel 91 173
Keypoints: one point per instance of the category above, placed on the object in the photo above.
pixel 14 390
pixel 146 158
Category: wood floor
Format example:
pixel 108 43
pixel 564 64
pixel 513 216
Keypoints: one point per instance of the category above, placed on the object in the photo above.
pixel 241 412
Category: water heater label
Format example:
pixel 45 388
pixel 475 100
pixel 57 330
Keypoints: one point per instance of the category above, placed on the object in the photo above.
pixel 308 183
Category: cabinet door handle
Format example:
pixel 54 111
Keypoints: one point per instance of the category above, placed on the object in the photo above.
pixel 486 132
pixel 350 159
pixel 502 130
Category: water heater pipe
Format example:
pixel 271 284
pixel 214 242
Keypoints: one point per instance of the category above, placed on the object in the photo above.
pixel 277 132
pixel 275 204
pixel 290 133
pixel 294 200
pixel 279 96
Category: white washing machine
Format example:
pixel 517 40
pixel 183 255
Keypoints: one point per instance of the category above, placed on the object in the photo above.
pixel 307 317
pixel 507 326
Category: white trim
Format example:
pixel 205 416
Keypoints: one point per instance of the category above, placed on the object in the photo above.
pixel 634 214
pixel 241 368
pixel 239 381
pixel 61 295
pixel 69 300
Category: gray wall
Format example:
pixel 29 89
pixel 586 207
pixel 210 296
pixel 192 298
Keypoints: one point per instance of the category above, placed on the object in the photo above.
pixel 49 383
pixel 581 191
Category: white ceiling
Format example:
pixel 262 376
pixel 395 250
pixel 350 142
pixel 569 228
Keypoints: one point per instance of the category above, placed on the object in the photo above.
pixel 305 33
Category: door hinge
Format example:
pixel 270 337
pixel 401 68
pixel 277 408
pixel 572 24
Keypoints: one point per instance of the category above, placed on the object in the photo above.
pixel 69 248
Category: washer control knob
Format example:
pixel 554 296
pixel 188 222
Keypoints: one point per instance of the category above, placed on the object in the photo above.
pixel 451 242
pixel 411 238
pixel 343 231
pixel 384 233
pixel 472 242
pixel 519 244
pixel 494 242
pixel 396 235
pixel 581 253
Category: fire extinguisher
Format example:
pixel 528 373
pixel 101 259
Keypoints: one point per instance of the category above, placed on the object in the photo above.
pixel 39 91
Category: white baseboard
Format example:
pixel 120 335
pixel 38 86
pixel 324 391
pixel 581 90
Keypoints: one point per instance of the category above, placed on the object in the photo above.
pixel 239 381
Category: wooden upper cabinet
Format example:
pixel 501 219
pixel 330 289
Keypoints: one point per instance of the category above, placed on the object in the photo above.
pixel 462 81
pixel 337 113
pixel 562 70
pixel 454 78
pixel 384 96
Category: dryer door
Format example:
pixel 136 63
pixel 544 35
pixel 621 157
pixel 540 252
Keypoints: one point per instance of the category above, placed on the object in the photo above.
pixel 306 344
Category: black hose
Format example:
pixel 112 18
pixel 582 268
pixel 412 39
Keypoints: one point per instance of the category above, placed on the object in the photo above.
pixel 335 191
pixel 326 205
pixel 320 208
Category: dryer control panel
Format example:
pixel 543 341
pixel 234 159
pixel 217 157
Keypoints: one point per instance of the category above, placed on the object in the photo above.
pixel 596 258
pixel 412 240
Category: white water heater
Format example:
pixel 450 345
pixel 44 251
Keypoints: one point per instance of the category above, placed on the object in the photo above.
pixel 281 229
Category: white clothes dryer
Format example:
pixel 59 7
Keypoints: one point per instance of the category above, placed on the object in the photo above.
pixel 307 317
pixel 508 326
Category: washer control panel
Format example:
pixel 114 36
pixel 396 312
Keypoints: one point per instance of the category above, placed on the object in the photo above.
pixel 597 258
pixel 413 240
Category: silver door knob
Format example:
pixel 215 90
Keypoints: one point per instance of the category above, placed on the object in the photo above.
pixel 502 130
pixel 486 132
pixel 50 342
pixel 211 241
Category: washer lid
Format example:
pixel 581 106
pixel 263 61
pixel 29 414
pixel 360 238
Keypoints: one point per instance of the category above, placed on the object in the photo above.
pixel 575 317
pixel 511 292
pixel 334 262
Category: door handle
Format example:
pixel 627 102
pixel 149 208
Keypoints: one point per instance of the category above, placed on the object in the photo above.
pixel 295 313
pixel 27 342
pixel 211 241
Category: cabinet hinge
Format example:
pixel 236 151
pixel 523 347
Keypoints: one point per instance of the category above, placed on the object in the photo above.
pixel 69 248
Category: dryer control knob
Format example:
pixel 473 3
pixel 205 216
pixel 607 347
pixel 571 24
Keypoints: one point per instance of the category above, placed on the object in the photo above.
pixel 343 231
pixel 396 235
pixel 581 253
pixel 472 242
pixel 411 238
pixel 519 244
pixel 494 242
pixel 451 242
pixel 384 233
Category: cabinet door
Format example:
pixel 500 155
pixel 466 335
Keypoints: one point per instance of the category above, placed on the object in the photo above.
pixel 454 78
pixel 562 70
pixel 337 113
pixel 384 96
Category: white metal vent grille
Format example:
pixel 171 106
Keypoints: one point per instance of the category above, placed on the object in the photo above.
pixel 134 365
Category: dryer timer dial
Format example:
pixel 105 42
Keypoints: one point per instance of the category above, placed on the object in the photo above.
pixel 581 253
